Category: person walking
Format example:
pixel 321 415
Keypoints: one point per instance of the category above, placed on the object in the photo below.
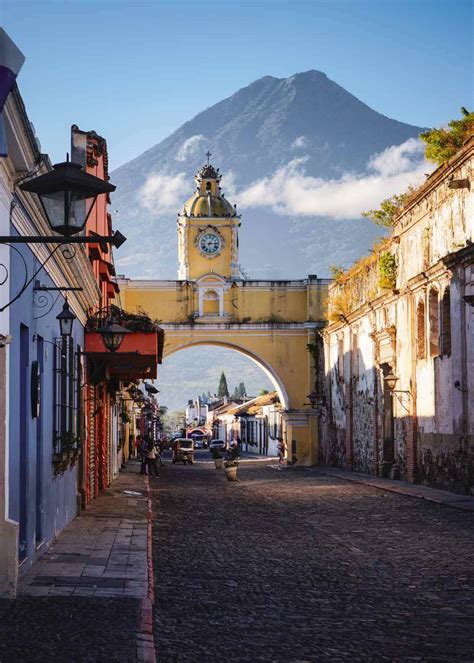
pixel 151 456
pixel 159 452
pixel 143 450
pixel 281 451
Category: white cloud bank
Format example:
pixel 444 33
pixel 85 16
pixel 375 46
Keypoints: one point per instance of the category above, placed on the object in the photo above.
pixel 164 194
pixel 190 147
pixel 289 191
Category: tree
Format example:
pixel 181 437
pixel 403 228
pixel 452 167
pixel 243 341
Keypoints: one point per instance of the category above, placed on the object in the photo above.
pixel 442 144
pixel 222 389
pixel 242 390
pixel 262 392
pixel 388 210
pixel 236 393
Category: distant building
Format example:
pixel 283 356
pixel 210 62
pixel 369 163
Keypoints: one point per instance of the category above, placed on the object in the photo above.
pixel 399 349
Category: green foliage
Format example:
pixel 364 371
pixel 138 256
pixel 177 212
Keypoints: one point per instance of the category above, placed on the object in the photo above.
pixel 222 390
pixel 388 210
pixel 442 144
pixel 262 392
pixel 242 390
pixel 387 270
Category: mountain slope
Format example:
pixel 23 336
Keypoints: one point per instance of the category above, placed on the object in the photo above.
pixel 258 130
pixel 251 134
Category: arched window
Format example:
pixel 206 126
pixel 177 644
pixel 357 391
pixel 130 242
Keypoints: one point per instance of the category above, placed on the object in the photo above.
pixel 211 303
pixel 433 308
pixel 420 330
pixel 446 322
pixel 208 187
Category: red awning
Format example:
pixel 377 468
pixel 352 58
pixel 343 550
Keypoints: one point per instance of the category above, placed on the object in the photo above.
pixel 137 357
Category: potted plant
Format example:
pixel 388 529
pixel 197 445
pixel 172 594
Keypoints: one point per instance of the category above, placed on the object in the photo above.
pixel 232 463
pixel 230 469
pixel 218 460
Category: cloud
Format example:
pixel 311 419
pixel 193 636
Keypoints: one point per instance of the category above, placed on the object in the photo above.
pixel 164 194
pixel 299 143
pixel 289 191
pixel 398 158
pixel 189 148
pixel 130 260
pixel 228 184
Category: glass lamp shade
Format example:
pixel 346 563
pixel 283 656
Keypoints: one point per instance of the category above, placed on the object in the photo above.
pixel 67 194
pixel 112 335
pixel 66 318
pixel 391 380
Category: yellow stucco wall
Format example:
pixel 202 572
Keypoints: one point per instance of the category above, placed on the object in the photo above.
pixel 244 301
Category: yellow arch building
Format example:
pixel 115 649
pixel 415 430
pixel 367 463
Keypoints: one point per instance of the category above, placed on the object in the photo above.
pixel 211 303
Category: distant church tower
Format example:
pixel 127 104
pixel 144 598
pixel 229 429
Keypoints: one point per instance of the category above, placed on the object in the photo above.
pixel 208 231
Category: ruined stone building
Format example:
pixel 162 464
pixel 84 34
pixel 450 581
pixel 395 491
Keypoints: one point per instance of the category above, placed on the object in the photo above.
pixel 399 347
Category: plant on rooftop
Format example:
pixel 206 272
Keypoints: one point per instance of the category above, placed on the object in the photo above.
pixel 442 144
pixel 387 270
pixel 336 271
pixel 389 209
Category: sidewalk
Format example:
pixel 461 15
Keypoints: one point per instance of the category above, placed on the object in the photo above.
pixel 99 574
pixel 103 552
pixel 454 500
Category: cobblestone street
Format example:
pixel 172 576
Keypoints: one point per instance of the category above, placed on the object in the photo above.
pixel 297 566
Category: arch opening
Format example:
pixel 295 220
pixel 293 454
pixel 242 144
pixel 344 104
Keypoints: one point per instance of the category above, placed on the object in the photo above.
pixel 266 368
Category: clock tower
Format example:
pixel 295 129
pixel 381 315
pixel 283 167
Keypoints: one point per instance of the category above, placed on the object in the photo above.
pixel 208 231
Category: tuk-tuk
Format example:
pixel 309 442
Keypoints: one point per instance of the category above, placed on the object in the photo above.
pixel 183 451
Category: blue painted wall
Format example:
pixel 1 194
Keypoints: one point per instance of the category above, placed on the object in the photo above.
pixel 43 501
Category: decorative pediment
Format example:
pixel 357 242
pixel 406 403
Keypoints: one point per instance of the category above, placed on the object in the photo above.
pixel 385 345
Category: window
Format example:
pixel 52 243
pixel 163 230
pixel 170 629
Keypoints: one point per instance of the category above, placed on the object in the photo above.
pixel 211 303
pixel 66 397
pixel 420 330
pixel 340 357
pixel 446 322
pixel 433 308
pixel 355 356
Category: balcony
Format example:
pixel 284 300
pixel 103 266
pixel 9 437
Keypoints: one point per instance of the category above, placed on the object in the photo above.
pixel 139 353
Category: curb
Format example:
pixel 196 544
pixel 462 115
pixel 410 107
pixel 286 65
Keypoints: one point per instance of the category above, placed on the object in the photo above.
pixel 146 652
pixel 444 498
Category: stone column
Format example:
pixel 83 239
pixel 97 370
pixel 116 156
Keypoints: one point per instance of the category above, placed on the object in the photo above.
pixel 301 436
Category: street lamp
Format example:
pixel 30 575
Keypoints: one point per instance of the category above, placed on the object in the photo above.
pixel 67 195
pixel 64 193
pixel 66 318
pixel 112 335
pixel 391 380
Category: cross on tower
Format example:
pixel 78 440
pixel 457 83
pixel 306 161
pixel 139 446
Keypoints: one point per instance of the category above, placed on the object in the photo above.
pixel 208 155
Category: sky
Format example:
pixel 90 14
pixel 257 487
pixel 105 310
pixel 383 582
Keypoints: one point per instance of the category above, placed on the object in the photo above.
pixel 134 71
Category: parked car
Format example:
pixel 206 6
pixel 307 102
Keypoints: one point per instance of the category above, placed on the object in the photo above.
pixel 219 445
pixel 200 441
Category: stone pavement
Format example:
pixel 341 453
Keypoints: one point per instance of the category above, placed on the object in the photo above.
pixel 454 500
pixel 88 598
pixel 300 566
pixel 103 552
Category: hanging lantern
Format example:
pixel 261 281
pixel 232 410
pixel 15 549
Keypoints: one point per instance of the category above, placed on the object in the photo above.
pixel 67 194
pixel 66 318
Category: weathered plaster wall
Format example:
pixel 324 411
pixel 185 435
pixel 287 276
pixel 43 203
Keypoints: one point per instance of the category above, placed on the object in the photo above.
pixel 433 412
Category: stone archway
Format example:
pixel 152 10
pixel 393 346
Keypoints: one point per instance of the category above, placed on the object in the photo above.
pixel 269 371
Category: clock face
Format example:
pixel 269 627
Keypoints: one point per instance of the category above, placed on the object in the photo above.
pixel 209 243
